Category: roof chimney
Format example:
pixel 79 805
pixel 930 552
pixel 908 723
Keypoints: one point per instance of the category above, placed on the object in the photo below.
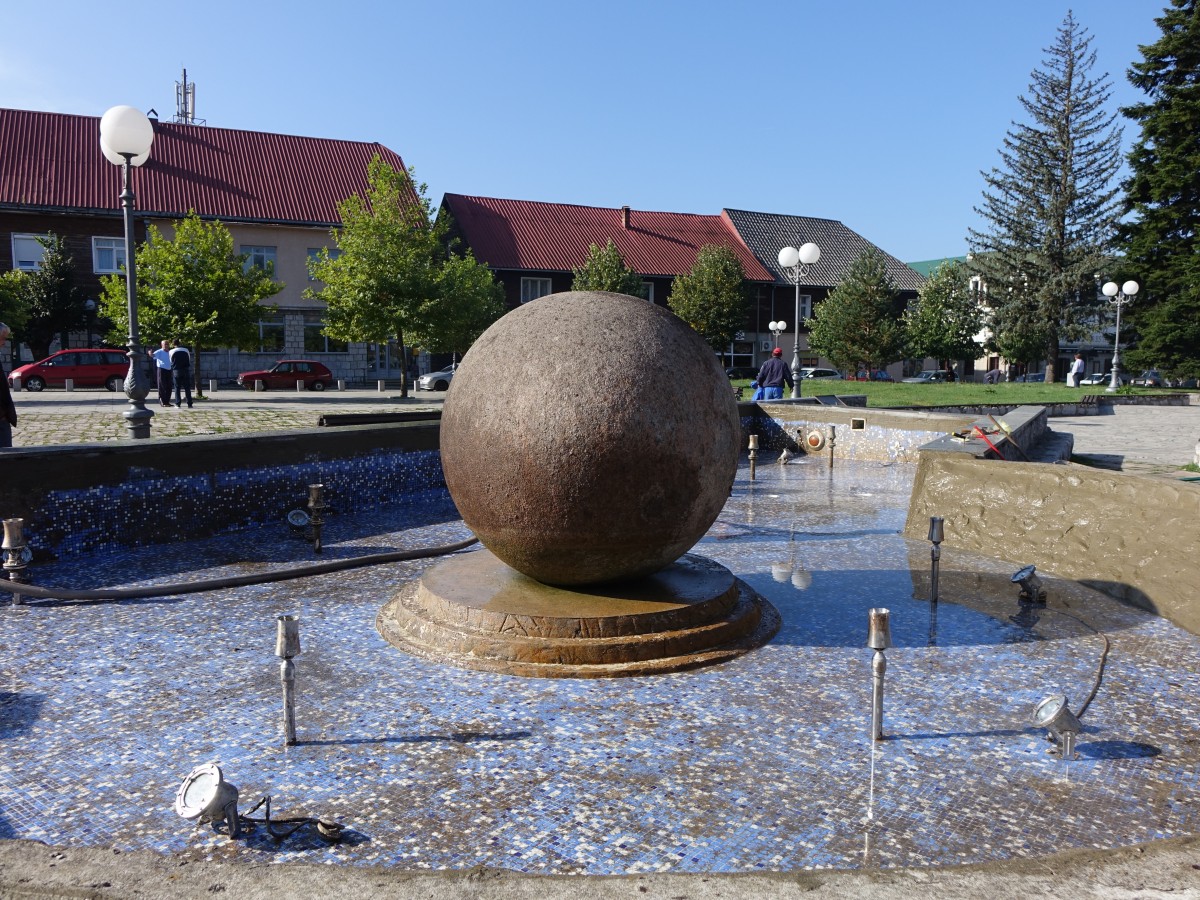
pixel 625 217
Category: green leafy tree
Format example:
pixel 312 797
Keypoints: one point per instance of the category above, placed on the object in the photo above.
pixel 14 309
pixel 1051 208
pixel 393 276
pixel 946 316
pixel 859 323
pixel 52 301
pixel 605 270
pixel 1161 241
pixel 192 287
pixel 712 297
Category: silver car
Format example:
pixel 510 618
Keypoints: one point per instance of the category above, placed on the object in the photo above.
pixel 814 372
pixel 436 381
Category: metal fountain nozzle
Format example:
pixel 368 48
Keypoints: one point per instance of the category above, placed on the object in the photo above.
pixel 879 632
pixel 937 529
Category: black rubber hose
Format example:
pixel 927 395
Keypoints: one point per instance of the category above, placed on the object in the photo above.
pixel 215 584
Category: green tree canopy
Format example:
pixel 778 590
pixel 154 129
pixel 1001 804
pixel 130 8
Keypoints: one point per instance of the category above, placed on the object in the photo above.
pixel 712 297
pixel 1051 208
pixel 191 287
pixel 14 309
pixel 859 323
pixel 946 316
pixel 1161 241
pixel 393 276
pixel 53 303
pixel 605 270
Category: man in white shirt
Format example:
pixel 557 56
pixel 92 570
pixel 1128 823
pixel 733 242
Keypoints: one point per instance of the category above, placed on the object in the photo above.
pixel 162 362
pixel 1076 372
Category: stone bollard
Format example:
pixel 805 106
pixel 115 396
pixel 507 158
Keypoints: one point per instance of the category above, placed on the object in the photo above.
pixel 212 385
pixel 69 384
pixel 341 384
pixel 299 384
pixel 258 385
pixel 382 386
pixel 16 384
pixel 1195 459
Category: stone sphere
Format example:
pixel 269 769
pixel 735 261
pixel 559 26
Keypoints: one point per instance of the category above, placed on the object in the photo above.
pixel 589 437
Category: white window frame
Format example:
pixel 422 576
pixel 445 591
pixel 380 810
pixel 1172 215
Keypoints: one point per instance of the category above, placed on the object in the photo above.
pixel 532 288
pixel 30 265
pixel 258 255
pixel 117 247
pixel 648 290
pixel 805 307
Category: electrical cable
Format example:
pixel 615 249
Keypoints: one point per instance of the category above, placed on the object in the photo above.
pixel 214 584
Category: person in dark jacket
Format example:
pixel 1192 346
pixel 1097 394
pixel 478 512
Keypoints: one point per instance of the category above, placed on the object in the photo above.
pixel 773 375
pixel 8 411
pixel 181 372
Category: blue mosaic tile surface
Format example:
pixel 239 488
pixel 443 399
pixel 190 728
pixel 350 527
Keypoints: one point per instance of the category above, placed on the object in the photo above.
pixel 759 764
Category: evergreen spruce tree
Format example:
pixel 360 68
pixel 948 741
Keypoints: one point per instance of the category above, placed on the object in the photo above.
pixel 1051 208
pixel 1161 243
pixel 53 301
pixel 859 323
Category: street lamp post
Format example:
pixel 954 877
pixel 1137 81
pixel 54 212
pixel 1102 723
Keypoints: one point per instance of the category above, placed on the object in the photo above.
pixel 89 309
pixel 797 264
pixel 1118 296
pixel 777 328
pixel 125 138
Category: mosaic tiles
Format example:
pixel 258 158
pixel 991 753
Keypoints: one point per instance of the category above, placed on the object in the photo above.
pixel 758 764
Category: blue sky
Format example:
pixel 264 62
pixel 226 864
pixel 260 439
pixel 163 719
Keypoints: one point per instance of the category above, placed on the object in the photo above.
pixel 878 114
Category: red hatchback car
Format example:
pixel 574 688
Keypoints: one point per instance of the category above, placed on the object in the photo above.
pixel 85 368
pixel 285 373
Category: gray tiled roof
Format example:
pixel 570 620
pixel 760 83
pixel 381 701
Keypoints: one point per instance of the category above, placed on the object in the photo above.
pixel 766 234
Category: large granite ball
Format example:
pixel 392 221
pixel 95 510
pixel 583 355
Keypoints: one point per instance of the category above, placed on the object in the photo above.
pixel 589 437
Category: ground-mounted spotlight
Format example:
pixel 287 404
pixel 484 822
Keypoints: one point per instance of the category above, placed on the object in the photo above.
pixel 207 796
pixel 1056 717
pixel 1031 586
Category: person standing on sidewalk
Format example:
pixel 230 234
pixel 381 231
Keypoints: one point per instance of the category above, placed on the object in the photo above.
pixel 8 411
pixel 162 363
pixel 181 371
pixel 773 374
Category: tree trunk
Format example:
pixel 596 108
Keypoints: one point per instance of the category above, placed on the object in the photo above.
pixel 403 364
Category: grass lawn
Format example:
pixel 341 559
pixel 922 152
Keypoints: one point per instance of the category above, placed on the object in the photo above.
pixel 882 394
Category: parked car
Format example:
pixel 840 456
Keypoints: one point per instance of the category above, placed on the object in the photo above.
pixel 737 373
pixel 285 373
pixel 1032 377
pixel 1150 378
pixel 929 376
pixel 1096 378
pixel 86 368
pixel 436 381
pixel 814 372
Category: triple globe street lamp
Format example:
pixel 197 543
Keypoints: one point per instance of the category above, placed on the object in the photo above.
pixel 1118 296
pixel 125 138
pixel 797 263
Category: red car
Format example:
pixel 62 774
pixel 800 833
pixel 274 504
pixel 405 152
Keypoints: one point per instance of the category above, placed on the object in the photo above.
pixel 285 373
pixel 86 368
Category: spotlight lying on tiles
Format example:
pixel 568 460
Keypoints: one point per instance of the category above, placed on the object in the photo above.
pixel 1056 717
pixel 1031 586
pixel 207 796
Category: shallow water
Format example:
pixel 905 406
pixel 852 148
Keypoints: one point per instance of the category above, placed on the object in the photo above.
pixel 762 763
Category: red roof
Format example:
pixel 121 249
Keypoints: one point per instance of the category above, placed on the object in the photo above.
pixel 52 161
pixel 554 237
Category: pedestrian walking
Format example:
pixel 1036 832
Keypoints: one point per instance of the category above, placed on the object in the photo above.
pixel 772 376
pixel 162 368
pixel 181 373
pixel 1076 371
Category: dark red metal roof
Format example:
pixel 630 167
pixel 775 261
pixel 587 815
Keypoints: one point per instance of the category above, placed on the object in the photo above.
pixel 554 237
pixel 52 161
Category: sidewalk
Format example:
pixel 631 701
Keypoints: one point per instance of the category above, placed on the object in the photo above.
pixel 92 416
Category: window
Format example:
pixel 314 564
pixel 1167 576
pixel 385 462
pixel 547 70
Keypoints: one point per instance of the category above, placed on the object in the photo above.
pixel 270 334
pixel 108 255
pixel 314 253
pixel 532 288
pixel 315 341
pixel 260 257
pixel 648 290
pixel 27 251
pixel 805 307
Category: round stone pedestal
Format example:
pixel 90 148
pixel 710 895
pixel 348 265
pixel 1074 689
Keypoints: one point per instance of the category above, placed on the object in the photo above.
pixel 474 611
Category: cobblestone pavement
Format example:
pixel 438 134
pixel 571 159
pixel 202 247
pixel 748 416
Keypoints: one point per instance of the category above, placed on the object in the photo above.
pixel 59 417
